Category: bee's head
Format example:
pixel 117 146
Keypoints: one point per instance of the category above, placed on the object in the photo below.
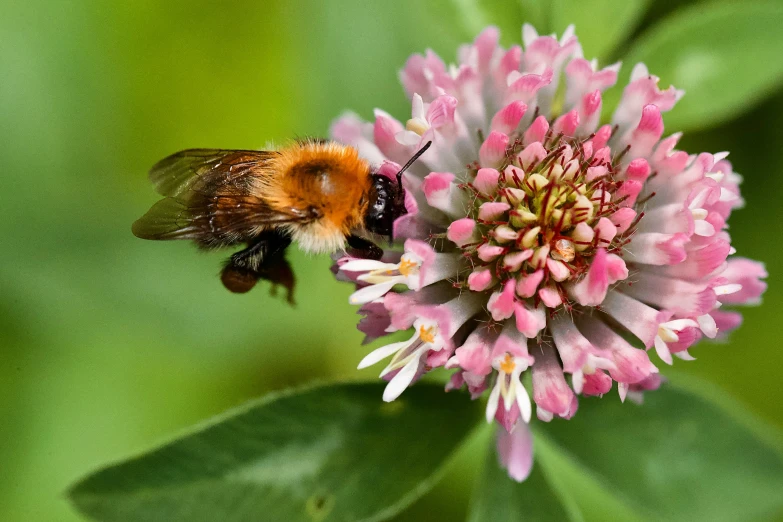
pixel 387 202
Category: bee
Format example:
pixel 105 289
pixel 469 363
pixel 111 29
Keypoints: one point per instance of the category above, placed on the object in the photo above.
pixel 319 194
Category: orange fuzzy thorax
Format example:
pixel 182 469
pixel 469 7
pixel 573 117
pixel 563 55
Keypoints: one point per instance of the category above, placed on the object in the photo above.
pixel 326 176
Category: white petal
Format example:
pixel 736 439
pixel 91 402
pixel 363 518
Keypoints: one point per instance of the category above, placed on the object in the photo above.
pixel 685 356
pixel 381 353
pixel 622 389
pixel 401 381
pixel 417 106
pixel 578 381
pixel 662 350
pixel 523 401
pixel 543 414
pixel 529 34
pixel 453 362
pixel 727 195
pixel 370 293
pixel 373 278
pixel 492 403
pixel 639 71
pixel 707 325
pixel 700 199
pixel 407 138
pixel 679 324
pixel 366 265
pixel 727 289
pixel 568 33
pixel 703 228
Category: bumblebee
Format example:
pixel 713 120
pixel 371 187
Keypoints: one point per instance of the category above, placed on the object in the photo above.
pixel 319 194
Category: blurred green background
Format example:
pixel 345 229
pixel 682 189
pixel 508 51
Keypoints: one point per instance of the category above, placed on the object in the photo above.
pixel 109 344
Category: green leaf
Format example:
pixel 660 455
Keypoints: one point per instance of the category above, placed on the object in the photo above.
pixel 677 457
pixel 469 17
pixel 497 498
pixel 600 24
pixel 536 13
pixel 726 56
pixel 330 453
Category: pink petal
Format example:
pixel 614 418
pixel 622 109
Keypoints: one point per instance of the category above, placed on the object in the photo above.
pixel 647 132
pixel 506 119
pixel 493 210
pixel 489 252
pixel 493 151
pixel 462 232
pixel 515 451
pixel 567 123
pixel 748 273
pixel 596 384
pixel 591 290
pixel 623 218
pixel 486 181
pixel 550 297
pixel 537 130
pixel 528 283
pixel 479 280
pixel 653 248
pixel 474 355
pixel 436 182
pixel 628 192
pixel 441 111
pixel 384 131
pixel 533 153
pixel 550 390
pixel 529 321
pixel 638 170
pixel 638 318
pixel 525 87
pixel 501 304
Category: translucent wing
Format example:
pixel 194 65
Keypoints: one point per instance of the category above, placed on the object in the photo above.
pixel 206 170
pixel 210 198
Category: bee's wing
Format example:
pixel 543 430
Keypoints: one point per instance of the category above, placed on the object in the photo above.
pixel 209 198
pixel 206 170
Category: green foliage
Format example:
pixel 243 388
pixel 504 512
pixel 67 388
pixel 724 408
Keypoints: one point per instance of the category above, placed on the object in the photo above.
pixel 497 498
pixel 600 24
pixel 677 457
pixel 726 56
pixel 337 453
pixel 329 453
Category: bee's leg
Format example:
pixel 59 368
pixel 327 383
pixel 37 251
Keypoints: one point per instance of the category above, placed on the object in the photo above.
pixel 362 248
pixel 264 258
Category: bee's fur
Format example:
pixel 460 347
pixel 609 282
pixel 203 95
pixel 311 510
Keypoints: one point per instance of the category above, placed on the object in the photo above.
pixel 325 176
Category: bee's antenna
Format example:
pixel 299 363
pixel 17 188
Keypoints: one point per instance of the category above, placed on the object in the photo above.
pixel 411 162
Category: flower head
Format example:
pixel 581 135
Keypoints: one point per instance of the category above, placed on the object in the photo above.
pixel 538 241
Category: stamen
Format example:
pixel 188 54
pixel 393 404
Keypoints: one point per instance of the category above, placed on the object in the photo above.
pixel 507 365
pixel 407 267
pixel 427 335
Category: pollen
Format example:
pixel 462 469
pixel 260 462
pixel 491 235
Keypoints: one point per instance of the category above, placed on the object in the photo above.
pixel 508 364
pixel 427 334
pixel 407 267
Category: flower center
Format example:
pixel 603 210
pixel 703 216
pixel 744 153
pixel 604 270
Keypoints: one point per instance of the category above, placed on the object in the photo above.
pixel 550 213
